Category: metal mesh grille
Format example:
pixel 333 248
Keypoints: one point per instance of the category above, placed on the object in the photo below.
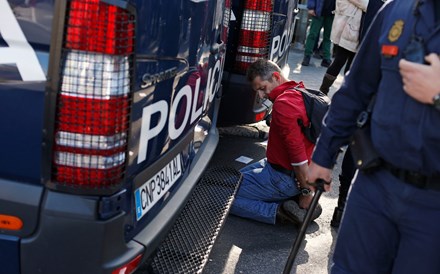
pixel 109 27
pixel 256 20
pixel 226 19
pixel 187 247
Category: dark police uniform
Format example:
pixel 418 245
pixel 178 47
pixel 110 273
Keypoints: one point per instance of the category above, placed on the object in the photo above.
pixel 392 220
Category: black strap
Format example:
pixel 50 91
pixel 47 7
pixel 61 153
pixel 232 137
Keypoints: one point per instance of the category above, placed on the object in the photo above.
pixel 414 178
pixel 364 116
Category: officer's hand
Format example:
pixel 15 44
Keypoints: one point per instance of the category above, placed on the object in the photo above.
pixel 312 12
pixel 316 172
pixel 421 81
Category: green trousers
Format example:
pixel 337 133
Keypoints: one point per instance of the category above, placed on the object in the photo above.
pixel 316 24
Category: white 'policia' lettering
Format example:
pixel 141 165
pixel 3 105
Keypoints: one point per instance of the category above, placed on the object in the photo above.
pixel 168 113
pixel 18 52
pixel 281 43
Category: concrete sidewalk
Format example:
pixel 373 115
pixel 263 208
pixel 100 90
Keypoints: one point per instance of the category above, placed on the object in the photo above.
pixel 311 75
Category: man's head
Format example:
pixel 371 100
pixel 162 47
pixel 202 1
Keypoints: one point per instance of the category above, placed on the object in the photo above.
pixel 264 76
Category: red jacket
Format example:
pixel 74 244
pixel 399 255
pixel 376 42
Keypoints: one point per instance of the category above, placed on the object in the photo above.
pixel 287 145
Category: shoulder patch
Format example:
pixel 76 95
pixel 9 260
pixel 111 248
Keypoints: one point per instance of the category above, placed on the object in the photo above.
pixel 396 31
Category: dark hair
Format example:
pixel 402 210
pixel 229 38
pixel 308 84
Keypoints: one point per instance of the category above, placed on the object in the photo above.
pixel 263 68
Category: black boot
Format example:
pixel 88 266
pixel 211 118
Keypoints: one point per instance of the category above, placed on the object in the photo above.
pixel 345 178
pixel 337 217
pixel 339 210
pixel 306 60
pixel 327 82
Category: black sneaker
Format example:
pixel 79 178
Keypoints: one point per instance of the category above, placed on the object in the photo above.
pixel 326 63
pixel 289 211
pixel 306 60
pixel 317 55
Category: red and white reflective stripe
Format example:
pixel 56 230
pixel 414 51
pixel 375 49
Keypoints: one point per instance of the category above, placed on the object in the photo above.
pixel 256 20
pixel 86 141
pixel 247 59
pixel 89 161
pixel 98 75
pixel 251 50
pixel 263 5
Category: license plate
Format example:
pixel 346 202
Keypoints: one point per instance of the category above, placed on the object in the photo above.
pixel 147 195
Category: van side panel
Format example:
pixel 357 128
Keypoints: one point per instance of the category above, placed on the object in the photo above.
pixel 24 40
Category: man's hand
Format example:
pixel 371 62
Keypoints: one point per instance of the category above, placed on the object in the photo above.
pixel 420 81
pixel 305 201
pixel 301 174
pixel 316 172
pixel 312 12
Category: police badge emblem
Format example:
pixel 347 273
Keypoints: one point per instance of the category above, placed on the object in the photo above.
pixel 395 31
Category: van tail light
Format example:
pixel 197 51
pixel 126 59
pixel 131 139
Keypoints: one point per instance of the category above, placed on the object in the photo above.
pixel 260 115
pixel 255 33
pixel 94 96
pixel 130 267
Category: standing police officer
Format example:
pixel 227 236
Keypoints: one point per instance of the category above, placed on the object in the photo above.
pixel 392 220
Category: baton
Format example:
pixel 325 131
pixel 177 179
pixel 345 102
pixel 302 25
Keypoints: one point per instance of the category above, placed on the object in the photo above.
pixel 319 184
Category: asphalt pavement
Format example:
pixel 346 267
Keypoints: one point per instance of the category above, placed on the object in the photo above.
pixel 246 246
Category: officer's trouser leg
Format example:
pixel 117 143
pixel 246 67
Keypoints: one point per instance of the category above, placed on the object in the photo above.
pixel 388 227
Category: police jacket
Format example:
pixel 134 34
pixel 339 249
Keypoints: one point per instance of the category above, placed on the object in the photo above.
pixel 404 131
pixel 372 9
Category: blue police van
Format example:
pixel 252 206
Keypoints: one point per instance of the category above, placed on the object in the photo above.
pixel 108 114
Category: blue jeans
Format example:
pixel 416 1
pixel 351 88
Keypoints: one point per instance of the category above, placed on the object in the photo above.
pixel 261 191
pixel 388 227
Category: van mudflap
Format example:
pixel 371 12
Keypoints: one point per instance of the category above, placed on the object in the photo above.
pixel 187 247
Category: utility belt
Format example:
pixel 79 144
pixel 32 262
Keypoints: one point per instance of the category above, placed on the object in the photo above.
pixel 416 179
pixel 281 169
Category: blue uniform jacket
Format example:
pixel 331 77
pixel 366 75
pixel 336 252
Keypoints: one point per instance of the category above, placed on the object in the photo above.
pixel 372 9
pixel 315 5
pixel 405 132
